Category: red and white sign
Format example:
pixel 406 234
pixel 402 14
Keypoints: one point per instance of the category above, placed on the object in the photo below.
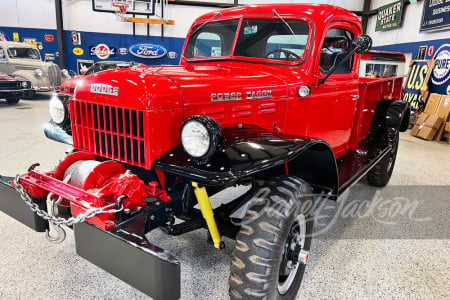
pixel 102 51
pixel 49 38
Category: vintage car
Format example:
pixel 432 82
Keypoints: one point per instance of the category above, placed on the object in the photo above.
pixel 13 87
pixel 266 97
pixel 25 60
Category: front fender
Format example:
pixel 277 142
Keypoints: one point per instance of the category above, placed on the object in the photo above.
pixel 253 153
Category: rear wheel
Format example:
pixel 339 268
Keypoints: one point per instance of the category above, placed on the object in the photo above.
pixel 12 100
pixel 380 174
pixel 273 244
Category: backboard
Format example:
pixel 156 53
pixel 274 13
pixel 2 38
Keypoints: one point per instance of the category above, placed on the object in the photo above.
pixel 137 7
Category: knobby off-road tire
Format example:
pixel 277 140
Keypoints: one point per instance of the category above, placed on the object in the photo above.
pixel 380 174
pixel 277 218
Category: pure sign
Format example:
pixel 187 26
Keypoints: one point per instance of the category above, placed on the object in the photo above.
pixel 436 14
pixel 418 76
pixel 389 16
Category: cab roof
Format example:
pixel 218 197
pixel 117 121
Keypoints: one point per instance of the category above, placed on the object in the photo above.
pixel 317 12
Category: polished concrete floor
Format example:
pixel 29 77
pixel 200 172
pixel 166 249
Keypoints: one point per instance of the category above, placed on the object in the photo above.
pixel 397 249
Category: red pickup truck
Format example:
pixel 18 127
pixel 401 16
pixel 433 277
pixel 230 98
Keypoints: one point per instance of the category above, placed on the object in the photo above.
pixel 265 96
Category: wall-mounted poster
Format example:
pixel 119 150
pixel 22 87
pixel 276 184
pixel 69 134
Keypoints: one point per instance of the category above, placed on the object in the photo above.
pixel 415 88
pixel 436 15
pixel 440 77
pixel 389 16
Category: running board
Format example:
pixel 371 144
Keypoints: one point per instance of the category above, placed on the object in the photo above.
pixel 355 166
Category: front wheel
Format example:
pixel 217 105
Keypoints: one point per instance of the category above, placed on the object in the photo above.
pixel 272 247
pixel 12 100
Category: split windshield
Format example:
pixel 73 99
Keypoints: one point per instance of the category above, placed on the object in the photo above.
pixel 29 53
pixel 273 39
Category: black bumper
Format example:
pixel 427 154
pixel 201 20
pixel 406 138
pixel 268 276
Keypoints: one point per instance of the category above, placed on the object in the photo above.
pixel 123 251
pixel 12 205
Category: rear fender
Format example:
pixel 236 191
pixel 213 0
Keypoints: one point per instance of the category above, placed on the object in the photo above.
pixel 389 115
pixel 254 153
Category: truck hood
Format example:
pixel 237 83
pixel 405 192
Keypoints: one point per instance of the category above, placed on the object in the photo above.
pixel 175 86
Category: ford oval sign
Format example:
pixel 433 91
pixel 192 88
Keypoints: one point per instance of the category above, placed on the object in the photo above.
pixel 148 51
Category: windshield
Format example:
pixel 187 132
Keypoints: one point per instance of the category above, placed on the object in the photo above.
pixel 29 53
pixel 258 38
pixel 103 67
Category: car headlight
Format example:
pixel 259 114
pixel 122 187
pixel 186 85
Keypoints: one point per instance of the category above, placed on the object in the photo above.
pixel 38 73
pixel 200 137
pixel 25 84
pixel 57 110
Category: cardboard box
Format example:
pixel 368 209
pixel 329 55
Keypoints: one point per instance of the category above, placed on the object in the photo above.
pixel 432 104
pixel 427 133
pixel 443 109
pixel 419 124
pixel 447 126
pixel 434 122
pixel 422 118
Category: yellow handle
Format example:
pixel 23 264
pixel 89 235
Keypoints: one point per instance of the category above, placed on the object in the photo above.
pixel 207 212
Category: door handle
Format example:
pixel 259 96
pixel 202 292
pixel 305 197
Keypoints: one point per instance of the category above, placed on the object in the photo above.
pixel 355 97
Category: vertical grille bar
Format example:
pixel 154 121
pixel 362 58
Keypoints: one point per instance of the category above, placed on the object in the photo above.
pixel 131 137
pixel 124 135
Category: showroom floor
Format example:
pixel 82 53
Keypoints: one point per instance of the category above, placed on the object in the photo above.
pixel 397 249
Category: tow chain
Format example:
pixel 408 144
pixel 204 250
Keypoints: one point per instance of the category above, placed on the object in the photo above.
pixel 58 221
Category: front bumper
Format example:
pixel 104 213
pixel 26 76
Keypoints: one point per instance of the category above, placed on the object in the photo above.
pixel 123 250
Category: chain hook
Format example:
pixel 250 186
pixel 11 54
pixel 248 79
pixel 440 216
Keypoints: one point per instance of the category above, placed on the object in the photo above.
pixel 60 235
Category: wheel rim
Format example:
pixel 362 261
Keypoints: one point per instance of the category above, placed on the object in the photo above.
pixel 294 256
pixel 393 153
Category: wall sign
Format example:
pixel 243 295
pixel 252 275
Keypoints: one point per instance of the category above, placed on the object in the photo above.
pixel 422 52
pixel 147 51
pixel 103 51
pixel 435 15
pixel 76 38
pixel 415 88
pixel 83 65
pixel 49 38
pixel 3 37
pixel 49 57
pixel 78 51
pixel 440 77
pixel 389 16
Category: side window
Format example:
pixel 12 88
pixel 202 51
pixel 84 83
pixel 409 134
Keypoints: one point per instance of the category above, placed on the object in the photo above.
pixel 208 44
pixel 2 53
pixel 336 45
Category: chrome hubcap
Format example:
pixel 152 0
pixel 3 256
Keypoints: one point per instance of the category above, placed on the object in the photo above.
pixel 294 256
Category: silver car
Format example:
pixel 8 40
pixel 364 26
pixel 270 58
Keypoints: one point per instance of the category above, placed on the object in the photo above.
pixel 25 60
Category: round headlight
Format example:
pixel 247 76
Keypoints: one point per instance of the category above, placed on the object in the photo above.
pixel 57 110
pixel 24 84
pixel 200 137
pixel 38 73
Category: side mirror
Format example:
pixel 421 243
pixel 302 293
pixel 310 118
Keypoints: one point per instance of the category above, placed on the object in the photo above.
pixel 362 43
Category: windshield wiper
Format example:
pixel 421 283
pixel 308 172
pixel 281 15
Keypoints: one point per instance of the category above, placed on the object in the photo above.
pixel 206 22
pixel 287 25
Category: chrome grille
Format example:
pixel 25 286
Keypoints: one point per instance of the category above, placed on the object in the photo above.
pixel 10 85
pixel 109 131
pixel 54 75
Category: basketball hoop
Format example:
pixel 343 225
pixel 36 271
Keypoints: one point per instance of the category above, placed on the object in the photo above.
pixel 121 9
